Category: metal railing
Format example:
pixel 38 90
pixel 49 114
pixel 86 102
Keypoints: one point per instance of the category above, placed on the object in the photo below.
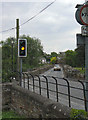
pixel 42 84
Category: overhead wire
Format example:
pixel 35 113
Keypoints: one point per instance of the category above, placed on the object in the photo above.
pixel 38 13
pixel 29 18
pixel 8 29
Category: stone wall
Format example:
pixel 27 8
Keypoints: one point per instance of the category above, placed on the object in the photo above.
pixel 41 70
pixel 31 104
pixel 37 71
pixel 6 96
pixel 70 72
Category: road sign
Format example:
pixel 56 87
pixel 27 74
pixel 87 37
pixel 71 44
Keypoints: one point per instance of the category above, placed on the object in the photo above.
pixel 84 30
pixel 80 39
pixel 22 48
pixel 77 15
pixel 82 14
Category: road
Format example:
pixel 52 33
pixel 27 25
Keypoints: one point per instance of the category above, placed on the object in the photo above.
pixel 63 99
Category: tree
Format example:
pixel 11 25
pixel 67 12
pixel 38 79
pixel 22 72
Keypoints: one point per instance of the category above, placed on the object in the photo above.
pixel 80 56
pixel 35 51
pixel 54 54
pixel 70 57
pixel 47 56
pixel 76 57
pixel 7 58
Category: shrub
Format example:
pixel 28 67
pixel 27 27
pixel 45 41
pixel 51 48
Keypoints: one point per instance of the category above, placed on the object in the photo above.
pixel 78 114
pixel 53 60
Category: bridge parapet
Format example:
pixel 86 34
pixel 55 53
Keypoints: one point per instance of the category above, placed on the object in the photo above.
pixel 33 105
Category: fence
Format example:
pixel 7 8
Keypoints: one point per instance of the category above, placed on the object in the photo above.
pixel 53 87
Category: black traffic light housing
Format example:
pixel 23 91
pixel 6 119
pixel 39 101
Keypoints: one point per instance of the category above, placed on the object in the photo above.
pixel 22 48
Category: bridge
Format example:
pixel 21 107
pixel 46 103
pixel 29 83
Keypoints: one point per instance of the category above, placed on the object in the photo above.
pixel 53 85
pixel 46 95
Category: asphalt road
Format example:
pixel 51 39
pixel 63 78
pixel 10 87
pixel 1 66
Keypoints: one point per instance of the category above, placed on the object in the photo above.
pixel 63 99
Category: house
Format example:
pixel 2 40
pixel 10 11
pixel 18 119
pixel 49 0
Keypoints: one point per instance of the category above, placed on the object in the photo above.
pixel 42 60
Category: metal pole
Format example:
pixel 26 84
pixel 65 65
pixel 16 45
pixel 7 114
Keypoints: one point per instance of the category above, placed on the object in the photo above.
pixel 17 37
pixel 21 68
pixel 12 41
pixel 86 68
pixel 86 61
pixel 12 57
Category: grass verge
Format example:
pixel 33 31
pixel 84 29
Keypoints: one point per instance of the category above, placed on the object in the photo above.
pixel 10 114
pixel 80 69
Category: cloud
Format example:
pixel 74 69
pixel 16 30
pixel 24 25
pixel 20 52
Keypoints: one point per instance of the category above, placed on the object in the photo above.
pixel 28 1
pixel 56 27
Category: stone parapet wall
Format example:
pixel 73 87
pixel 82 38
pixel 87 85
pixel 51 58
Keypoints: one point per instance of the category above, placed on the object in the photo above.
pixel 32 105
pixel 6 96
pixel 37 71
pixel 70 72
pixel 41 70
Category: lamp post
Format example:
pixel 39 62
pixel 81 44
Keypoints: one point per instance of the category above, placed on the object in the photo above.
pixel 12 40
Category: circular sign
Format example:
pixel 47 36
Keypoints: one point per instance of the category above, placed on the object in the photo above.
pixel 77 16
pixel 84 14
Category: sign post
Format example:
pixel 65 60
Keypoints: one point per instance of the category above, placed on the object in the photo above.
pixel 84 30
pixel 86 68
pixel 82 39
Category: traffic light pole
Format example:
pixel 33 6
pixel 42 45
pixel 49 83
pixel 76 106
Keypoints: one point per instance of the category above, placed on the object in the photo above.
pixel 20 65
pixel 17 37
pixel 21 68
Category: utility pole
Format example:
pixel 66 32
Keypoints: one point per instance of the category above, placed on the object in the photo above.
pixel 17 37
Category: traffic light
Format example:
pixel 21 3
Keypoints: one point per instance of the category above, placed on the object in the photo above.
pixel 22 48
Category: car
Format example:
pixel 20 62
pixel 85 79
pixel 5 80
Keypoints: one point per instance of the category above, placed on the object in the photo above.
pixel 57 68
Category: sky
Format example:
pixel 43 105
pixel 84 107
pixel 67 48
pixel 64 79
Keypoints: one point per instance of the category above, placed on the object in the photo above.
pixel 56 27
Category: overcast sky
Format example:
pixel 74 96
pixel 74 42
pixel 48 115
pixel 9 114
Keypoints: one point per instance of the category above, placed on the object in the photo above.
pixel 56 27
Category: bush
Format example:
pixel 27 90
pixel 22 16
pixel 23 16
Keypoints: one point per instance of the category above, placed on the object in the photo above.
pixel 53 60
pixel 78 114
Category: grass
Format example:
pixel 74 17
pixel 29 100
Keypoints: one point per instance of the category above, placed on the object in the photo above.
pixel 10 114
pixel 80 69
pixel 78 114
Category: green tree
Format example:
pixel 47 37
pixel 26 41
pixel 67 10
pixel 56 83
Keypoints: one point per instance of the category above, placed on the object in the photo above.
pixel 70 57
pixel 7 58
pixel 80 57
pixel 47 56
pixel 35 51
pixel 54 54
pixel 75 58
